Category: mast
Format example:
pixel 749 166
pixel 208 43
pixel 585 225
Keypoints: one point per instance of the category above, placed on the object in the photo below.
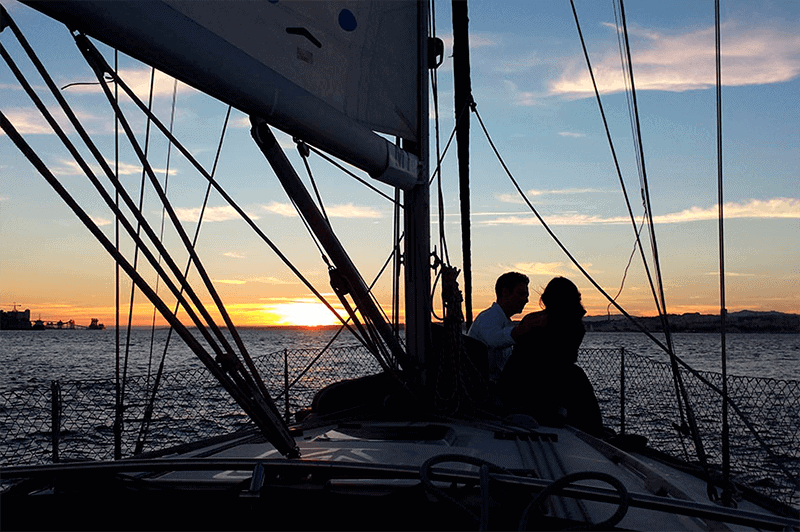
pixel 463 99
pixel 417 221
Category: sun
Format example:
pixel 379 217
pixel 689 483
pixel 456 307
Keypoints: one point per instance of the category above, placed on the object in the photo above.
pixel 305 314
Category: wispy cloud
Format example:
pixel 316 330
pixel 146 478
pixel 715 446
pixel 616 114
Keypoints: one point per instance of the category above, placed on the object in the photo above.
pixel 70 167
pixel 240 122
pixel 334 211
pixel 731 274
pixel 352 211
pixel 571 134
pixel 262 280
pixel 520 97
pixel 519 63
pixel 775 208
pixel 272 280
pixel 686 61
pixel 540 268
pixel 553 220
pixel 283 209
pixel 27 122
pixel 221 213
pixel 533 193
pixel 476 40
pixel 100 221
pixel 233 255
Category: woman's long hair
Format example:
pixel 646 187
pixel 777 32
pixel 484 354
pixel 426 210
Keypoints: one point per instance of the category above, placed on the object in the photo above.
pixel 562 298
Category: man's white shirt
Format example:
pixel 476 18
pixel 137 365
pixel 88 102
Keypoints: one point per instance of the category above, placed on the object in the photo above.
pixel 493 328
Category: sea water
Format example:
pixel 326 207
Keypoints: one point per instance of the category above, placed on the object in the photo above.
pixel 28 357
pixel 30 360
pixel 762 355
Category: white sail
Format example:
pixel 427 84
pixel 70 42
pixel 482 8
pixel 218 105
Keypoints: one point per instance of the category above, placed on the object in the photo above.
pixel 331 73
pixel 358 57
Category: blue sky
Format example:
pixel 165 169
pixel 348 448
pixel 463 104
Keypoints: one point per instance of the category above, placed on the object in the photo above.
pixel 531 85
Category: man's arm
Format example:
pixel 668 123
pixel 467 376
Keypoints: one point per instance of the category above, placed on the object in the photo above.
pixel 493 329
pixel 529 322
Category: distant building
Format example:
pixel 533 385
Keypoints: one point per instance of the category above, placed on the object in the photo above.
pixel 15 320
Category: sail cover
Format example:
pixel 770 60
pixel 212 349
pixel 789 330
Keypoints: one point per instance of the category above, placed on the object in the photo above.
pixel 329 72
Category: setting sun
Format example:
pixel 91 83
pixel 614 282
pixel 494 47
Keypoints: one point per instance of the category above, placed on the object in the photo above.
pixel 307 314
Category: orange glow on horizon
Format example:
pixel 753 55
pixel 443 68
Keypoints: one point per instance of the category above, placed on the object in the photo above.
pixel 303 313
pixel 308 312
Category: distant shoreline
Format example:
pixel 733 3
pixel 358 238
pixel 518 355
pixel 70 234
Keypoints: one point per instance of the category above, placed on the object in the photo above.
pixel 745 321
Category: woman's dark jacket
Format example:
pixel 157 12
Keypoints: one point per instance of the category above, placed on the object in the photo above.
pixel 541 378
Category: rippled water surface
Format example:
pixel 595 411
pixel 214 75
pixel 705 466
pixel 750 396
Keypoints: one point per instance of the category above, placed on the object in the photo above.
pixel 41 356
pixel 774 356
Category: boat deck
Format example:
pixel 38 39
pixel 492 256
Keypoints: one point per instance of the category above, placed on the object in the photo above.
pixel 380 456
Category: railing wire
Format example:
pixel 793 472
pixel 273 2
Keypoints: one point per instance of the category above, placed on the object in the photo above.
pixel 192 405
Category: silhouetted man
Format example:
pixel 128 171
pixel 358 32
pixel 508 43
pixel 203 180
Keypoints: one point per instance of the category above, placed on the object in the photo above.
pixel 494 327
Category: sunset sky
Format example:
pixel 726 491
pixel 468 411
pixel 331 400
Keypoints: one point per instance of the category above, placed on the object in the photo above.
pixel 531 85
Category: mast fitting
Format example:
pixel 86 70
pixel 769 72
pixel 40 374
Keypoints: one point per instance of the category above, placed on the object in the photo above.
pixel 435 52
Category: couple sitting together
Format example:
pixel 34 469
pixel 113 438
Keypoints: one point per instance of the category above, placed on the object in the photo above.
pixel 532 364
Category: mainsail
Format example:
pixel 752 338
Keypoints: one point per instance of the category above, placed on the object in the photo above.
pixel 349 69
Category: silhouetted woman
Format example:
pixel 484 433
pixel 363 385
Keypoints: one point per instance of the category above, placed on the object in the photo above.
pixel 541 377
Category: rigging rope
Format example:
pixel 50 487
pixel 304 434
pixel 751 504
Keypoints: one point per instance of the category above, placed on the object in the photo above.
pixel 271 424
pixel 638 242
pixel 364 335
pixel 354 176
pixel 148 412
pixel 727 492
pixel 555 238
pixel 118 414
pixel 302 149
pixel 110 202
pixel 98 64
pixel 667 333
pixel 275 430
pixel 628 79
pixel 434 84
pixel 231 202
pixel 136 250
pixel 629 82
pixel 341 329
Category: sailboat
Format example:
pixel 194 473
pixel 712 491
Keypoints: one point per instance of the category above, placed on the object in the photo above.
pixel 414 447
